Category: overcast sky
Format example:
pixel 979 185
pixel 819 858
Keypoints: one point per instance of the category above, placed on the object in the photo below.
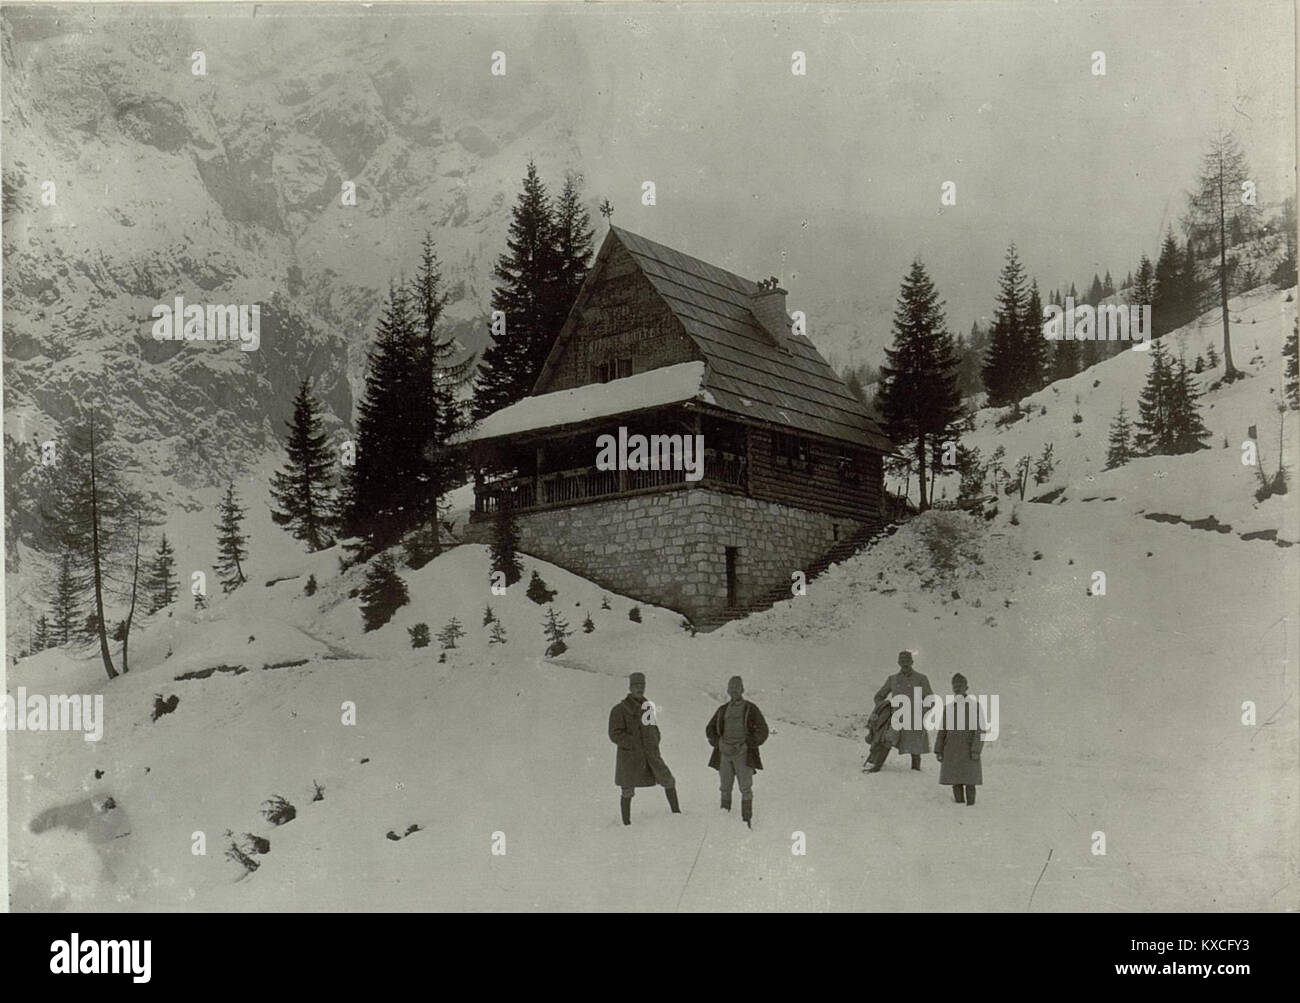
pixel 841 169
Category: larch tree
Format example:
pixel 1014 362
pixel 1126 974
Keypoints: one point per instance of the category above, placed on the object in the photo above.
pixel 87 509
pixel 1224 202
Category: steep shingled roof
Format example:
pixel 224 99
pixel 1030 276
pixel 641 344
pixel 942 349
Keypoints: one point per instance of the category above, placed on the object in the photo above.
pixel 747 373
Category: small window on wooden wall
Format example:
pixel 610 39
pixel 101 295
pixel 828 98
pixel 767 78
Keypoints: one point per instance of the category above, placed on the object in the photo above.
pixel 614 369
pixel 790 452
pixel 848 469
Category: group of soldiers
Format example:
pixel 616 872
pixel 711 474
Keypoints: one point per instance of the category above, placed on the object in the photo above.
pixel 958 749
pixel 737 728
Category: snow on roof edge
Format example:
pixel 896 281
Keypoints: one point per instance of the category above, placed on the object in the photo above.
pixel 655 388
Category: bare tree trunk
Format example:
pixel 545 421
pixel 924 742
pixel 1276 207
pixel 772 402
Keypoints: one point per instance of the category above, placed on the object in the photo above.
pixel 920 459
pixel 130 614
pixel 94 549
pixel 1229 370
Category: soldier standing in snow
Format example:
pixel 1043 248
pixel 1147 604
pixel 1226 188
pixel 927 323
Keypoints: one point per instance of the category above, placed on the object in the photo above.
pixel 735 731
pixel 633 728
pixel 958 750
pixel 911 740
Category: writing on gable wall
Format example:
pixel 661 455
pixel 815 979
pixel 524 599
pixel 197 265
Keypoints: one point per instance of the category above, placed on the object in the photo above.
pixel 622 319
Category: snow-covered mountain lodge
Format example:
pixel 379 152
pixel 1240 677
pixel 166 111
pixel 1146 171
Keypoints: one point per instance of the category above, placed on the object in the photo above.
pixel 662 344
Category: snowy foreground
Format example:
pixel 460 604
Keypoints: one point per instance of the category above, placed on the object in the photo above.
pixel 1119 714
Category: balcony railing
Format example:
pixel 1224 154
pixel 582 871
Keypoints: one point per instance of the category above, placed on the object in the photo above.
pixel 582 484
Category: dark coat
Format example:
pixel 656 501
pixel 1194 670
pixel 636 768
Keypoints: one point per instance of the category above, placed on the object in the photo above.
pixel 755 734
pixel 959 751
pixel 636 742
pixel 880 733
pixel 911 741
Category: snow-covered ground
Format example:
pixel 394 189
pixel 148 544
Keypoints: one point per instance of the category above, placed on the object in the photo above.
pixel 1119 714
pixel 1213 482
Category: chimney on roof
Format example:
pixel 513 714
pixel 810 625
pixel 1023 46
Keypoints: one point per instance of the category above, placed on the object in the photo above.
pixel 768 307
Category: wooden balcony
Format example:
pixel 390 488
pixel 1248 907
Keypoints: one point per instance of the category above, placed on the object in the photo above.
pixel 587 484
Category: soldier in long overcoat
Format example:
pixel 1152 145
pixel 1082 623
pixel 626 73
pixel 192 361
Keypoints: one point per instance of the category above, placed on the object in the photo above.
pixel 960 743
pixel 912 740
pixel 633 727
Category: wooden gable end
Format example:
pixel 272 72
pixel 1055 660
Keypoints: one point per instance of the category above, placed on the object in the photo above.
pixel 619 327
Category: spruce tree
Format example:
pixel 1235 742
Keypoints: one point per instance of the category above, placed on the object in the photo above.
pixel 1065 359
pixel 381 487
pixel 450 634
pixel 1119 449
pixel 527 279
pixel 918 395
pixel 436 378
pixel 1142 290
pixel 1168 309
pixel 1187 431
pixel 1107 285
pixel 301 490
pixel 573 246
pixel 1154 436
pixel 1006 366
pixel 230 541
pixel 42 639
pixel 1095 291
pixel 66 599
pixel 556 629
pixel 162 583
pixel 383 593
pixel 1191 288
pixel 1038 360
pixel 505 542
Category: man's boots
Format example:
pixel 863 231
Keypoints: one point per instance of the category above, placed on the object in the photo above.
pixel 625 806
pixel 726 802
pixel 747 812
pixel 916 762
pixel 672 800
pixel 970 794
pixel 956 793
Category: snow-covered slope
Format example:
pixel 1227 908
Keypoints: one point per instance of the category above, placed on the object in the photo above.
pixel 1118 714
pixel 1213 482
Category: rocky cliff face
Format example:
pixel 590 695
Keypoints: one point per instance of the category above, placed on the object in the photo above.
pixel 129 181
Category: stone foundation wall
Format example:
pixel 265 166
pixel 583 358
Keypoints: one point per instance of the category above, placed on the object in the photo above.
pixel 669 548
